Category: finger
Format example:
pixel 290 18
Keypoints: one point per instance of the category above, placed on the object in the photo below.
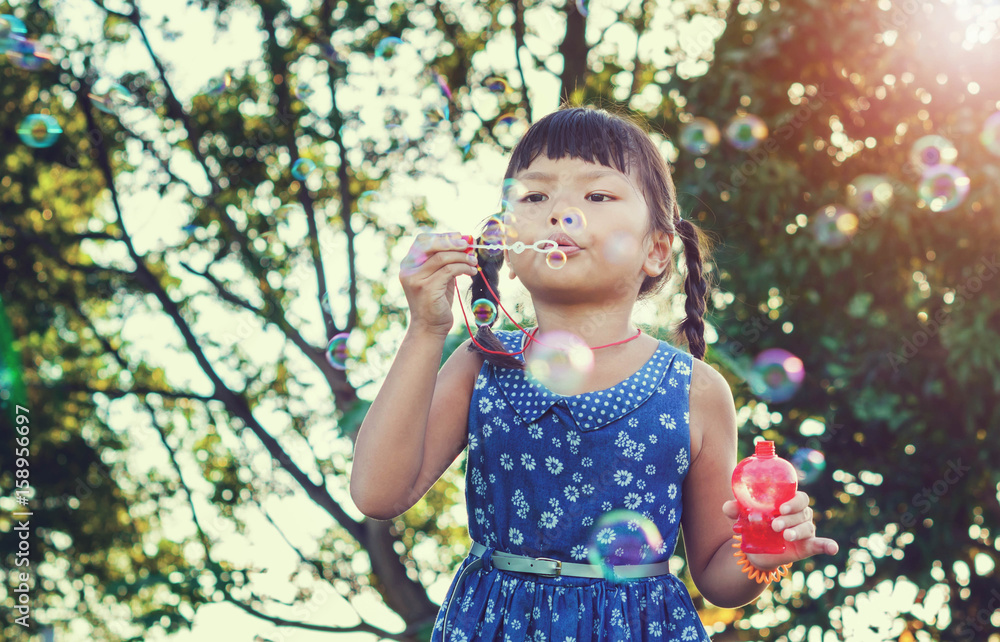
pixel 818 546
pixel 427 265
pixel 795 504
pixel 731 509
pixel 800 532
pixel 805 516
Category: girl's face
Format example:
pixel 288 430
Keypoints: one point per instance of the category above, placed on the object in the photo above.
pixel 603 219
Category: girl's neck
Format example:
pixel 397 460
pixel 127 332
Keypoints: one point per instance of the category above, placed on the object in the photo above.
pixel 596 329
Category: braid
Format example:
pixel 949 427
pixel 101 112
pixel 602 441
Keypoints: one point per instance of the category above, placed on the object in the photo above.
pixel 695 287
pixel 490 271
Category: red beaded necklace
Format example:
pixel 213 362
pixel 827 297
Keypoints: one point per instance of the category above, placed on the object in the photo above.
pixel 531 335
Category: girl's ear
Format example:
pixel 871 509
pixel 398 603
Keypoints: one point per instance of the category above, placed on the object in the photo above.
pixel 658 255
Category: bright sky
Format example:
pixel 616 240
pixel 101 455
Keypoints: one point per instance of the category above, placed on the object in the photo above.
pixel 197 55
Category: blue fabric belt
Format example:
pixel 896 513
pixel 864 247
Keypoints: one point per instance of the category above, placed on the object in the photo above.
pixel 488 558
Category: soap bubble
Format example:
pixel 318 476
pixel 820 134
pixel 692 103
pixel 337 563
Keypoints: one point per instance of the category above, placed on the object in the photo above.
pixel 746 132
pixel 367 200
pixel 699 136
pixel 27 54
pixel 869 194
pixel 324 303
pixel 484 311
pixel 39 130
pixel 990 137
pixel 442 83
pixel 620 247
pixel 336 352
pixel 572 220
pixel 834 225
pixel 494 234
pixel 512 192
pixel 776 375
pixel 302 168
pixel 509 128
pixel 556 259
pixel 933 150
pixel 388 48
pixel 581 6
pixel 286 212
pixel 809 463
pixel 111 98
pixel 304 91
pixel 623 537
pixel 944 187
pixel 219 86
pixel 560 361
pixel 11 30
pixel 497 85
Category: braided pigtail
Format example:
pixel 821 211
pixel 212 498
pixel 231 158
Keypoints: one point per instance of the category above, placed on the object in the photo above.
pixel 695 286
pixel 489 264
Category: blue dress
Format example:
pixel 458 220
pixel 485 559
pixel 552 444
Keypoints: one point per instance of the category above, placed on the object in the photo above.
pixel 542 470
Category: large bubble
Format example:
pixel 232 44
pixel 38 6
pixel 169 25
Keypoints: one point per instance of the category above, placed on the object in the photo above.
pixel 776 375
pixel 560 361
pixel 944 187
pixel 700 136
pixel 809 464
pixel 623 537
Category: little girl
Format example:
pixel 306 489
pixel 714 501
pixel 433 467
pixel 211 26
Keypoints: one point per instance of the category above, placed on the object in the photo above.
pixel 650 429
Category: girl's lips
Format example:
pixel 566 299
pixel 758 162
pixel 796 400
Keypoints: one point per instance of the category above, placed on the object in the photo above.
pixel 570 250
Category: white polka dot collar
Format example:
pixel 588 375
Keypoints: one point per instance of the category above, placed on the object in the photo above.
pixel 591 410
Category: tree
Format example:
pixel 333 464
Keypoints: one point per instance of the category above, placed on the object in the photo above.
pixel 894 326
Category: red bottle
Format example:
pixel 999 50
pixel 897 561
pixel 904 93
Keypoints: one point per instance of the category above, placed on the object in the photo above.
pixel 761 484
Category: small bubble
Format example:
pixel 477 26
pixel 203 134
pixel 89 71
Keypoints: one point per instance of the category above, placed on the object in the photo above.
pixel 484 311
pixel 933 150
pixel 219 86
pixel 388 48
pixel 556 259
pixel 497 85
pixel 699 136
pixel 302 168
pixel 834 225
pixel 944 188
pixel 336 352
pixel 572 220
pixel 39 130
pixel 746 132
pixel 869 194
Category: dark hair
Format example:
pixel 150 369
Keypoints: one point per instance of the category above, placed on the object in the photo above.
pixel 613 140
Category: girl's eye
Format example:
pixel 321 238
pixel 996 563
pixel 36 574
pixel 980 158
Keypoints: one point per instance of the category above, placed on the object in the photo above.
pixel 605 196
pixel 528 198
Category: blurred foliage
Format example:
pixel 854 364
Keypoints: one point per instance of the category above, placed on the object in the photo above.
pixel 133 517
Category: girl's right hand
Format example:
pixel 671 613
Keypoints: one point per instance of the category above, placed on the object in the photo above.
pixel 428 275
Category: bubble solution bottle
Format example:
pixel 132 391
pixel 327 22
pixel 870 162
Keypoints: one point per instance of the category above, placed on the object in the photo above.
pixel 761 484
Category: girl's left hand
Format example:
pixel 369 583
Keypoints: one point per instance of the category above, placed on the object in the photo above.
pixel 799 531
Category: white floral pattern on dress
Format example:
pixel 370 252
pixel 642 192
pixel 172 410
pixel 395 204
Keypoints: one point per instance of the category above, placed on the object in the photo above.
pixel 529 495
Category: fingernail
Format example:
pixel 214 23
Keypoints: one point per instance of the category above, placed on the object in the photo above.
pixel 791 535
pixel 779 525
pixel 472 259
